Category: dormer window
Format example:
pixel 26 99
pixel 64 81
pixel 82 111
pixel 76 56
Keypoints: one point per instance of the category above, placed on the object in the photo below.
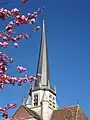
pixel 36 100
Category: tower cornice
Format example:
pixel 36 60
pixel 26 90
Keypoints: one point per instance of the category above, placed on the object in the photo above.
pixel 42 88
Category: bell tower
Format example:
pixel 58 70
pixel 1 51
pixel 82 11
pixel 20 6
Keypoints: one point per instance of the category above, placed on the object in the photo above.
pixel 42 97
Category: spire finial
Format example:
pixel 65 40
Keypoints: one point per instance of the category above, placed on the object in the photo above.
pixel 78 102
pixel 23 100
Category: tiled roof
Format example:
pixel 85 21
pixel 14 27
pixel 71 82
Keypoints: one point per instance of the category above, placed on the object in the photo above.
pixel 24 112
pixel 69 113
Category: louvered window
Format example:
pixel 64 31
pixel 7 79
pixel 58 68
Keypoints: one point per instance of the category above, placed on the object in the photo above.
pixel 36 100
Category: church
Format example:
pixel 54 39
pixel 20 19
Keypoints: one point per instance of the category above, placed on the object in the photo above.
pixel 41 103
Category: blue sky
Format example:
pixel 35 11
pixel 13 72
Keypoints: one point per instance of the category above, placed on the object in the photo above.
pixel 68 35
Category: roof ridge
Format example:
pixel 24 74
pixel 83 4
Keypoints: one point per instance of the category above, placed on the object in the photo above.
pixel 70 106
pixel 16 111
pixel 30 111
pixel 82 113
pixel 67 107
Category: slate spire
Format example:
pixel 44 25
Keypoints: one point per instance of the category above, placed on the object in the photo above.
pixel 43 67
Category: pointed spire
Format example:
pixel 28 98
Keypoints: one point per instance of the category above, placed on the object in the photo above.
pixel 28 102
pixel 43 67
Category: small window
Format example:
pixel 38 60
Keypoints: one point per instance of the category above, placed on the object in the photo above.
pixel 53 102
pixel 53 98
pixel 50 101
pixel 50 96
pixel 50 104
pixel 36 100
pixel 53 106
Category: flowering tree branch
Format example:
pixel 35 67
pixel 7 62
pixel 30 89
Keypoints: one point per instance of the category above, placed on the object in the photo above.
pixel 6 37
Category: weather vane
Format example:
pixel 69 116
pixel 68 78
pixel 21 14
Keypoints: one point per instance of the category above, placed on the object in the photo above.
pixel 78 102
pixel 23 100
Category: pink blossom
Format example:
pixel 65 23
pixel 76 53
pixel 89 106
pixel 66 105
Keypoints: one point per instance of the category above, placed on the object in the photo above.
pixel 12 105
pixel 2 109
pixel 11 60
pixel 5 38
pixel 23 17
pixel 32 21
pixel 5 56
pixel 10 25
pixel 1 53
pixel 21 69
pixel 1 72
pixel 11 31
pixel 1 85
pixel 19 84
pixel 24 1
pixel 35 14
pixel 34 78
pixel 5 44
pixel 39 10
pixel 1 43
pixel 15 12
pixel 36 29
pixel 16 45
pixel 4 13
pixel 5 115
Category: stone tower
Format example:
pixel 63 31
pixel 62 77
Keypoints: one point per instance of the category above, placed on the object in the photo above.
pixel 42 97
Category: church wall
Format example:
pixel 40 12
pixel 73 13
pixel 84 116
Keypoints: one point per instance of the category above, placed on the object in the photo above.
pixel 51 98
